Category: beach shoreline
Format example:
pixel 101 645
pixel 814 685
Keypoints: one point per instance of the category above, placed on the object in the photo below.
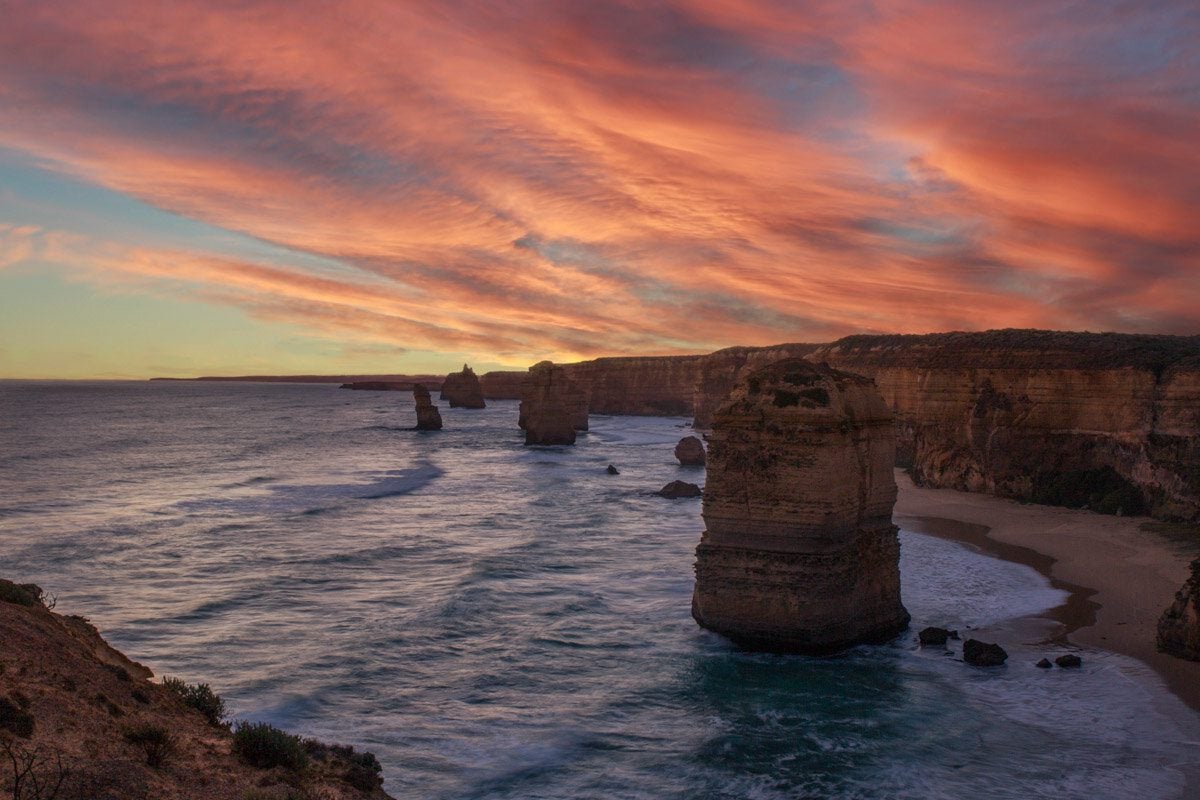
pixel 1120 577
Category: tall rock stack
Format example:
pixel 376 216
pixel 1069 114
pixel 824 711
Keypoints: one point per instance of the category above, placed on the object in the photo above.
pixel 462 389
pixel 551 406
pixel 428 417
pixel 799 552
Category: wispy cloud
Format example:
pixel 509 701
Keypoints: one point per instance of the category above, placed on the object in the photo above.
pixel 585 178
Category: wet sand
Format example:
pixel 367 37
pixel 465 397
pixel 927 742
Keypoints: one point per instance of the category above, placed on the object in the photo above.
pixel 1120 577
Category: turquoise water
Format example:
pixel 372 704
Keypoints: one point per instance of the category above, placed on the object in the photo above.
pixel 496 621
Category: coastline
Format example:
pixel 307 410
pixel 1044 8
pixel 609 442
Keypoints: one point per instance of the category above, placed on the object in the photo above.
pixel 1120 577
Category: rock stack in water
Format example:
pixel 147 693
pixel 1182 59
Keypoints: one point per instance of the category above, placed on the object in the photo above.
pixel 1179 626
pixel 553 407
pixel 799 552
pixel 428 417
pixel 462 389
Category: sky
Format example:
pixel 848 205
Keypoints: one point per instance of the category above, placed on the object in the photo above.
pixel 351 187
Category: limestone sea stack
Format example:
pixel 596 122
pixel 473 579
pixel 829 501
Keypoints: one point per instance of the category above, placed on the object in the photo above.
pixel 462 389
pixel 428 417
pixel 799 553
pixel 551 406
pixel 1179 626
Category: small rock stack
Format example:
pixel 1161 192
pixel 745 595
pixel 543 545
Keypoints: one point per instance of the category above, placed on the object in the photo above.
pixel 799 552
pixel 553 407
pixel 462 389
pixel 428 417
pixel 1179 626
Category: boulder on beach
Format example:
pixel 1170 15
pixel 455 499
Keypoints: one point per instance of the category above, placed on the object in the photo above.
pixel 677 489
pixel 1179 626
pixel 1044 664
pixel 1069 660
pixel 799 553
pixel 463 390
pixel 983 654
pixel 428 417
pixel 690 451
pixel 935 636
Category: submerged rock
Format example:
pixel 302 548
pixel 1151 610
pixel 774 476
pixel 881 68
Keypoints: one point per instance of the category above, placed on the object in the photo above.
pixel 933 636
pixel 1044 664
pixel 612 470
pixel 799 553
pixel 676 489
pixel 553 406
pixel 983 654
pixel 1069 660
pixel 428 417
pixel 462 389
pixel 690 452
pixel 1179 626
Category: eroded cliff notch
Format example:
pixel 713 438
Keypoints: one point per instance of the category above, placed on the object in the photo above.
pixel 799 553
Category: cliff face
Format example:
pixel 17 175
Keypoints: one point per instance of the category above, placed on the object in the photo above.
pixel 77 713
pixel 1107 421
pixel 799 553
pixel 503 384
pixel 463 390
pixel 653 385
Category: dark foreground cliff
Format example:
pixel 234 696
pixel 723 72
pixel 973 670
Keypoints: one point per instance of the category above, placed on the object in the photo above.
pixel 80 721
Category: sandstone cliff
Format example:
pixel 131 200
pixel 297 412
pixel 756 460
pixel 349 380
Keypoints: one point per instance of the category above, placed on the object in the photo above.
pixel 1107 421
pixel 503 384
pixel 462 389
pixel 799 553
pixel 87 723
pixel 552 407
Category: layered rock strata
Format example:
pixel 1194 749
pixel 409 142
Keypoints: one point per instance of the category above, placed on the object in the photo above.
pixel 428 417
pixel 552 408
pixel 799 553
pixel 463 390
pixel 1179 626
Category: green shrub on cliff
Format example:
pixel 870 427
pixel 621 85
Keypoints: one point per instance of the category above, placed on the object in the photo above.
pixel 1100 490
pixel 22 594
pixel 156 742
pixel 199 696
pixel 265 746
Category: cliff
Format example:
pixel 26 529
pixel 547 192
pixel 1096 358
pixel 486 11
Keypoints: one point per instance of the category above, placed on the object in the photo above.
pixel 503 384
pixel 462 389
pixel 86 723
pixel 799 553
pixel 1179 626
pixel 1108 421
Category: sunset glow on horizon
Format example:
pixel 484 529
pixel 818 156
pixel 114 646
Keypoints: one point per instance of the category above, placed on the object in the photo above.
pixel 307 187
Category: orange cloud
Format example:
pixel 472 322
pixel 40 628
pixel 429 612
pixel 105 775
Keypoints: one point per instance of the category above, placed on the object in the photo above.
pixel 576 179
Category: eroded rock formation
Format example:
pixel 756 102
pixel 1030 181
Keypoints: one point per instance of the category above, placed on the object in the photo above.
pixel 690 451
pixel 428 417
pixel 799 553
pixel 463 390
pixel 552 407
pixel 1179 626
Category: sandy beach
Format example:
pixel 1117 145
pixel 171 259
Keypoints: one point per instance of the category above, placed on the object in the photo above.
pixel 1120 576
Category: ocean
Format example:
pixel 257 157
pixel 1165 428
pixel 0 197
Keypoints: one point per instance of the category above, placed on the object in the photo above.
pixel 496 621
